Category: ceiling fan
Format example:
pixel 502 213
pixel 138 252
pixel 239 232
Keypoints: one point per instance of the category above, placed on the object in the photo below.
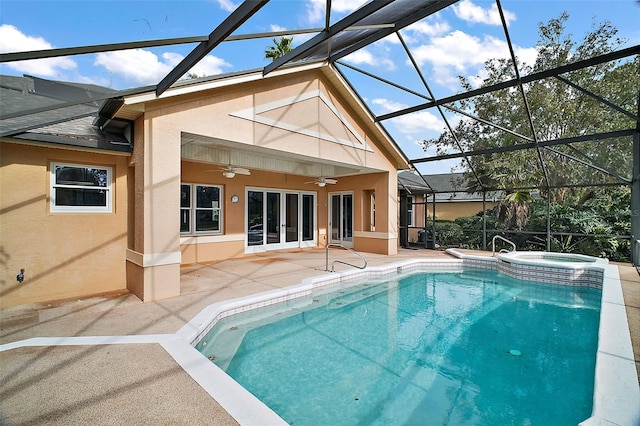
pixel 231 171
pixel 322 182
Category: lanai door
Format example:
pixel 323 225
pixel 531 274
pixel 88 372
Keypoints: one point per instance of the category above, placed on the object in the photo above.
pixel 277 219
pixel 341 218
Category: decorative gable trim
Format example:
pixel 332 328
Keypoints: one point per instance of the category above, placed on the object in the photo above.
pixel 254 114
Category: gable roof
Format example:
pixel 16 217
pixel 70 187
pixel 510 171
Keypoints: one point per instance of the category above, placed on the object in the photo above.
pixel 445 186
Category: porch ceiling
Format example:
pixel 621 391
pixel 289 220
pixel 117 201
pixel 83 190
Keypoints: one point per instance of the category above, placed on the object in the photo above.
pixel 205 149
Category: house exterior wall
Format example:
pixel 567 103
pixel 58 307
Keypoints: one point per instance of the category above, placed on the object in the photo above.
pixel 138 246
pixel 445 210
pixel 63 254
pixel 293 114
pixel 454 210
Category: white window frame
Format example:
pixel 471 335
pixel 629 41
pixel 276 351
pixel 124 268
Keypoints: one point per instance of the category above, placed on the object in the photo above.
pixel 53 185
pixel 193 209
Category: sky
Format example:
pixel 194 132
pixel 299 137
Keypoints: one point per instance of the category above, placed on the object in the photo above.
pixel 454 42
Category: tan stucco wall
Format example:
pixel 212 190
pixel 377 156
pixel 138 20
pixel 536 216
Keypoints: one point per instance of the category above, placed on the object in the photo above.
pixel 249 114
pixel 292 114
pixel 230 243
pixel 444 211
pixel 64 254
pixel 452 211
pixel 138 246
pixel 155 256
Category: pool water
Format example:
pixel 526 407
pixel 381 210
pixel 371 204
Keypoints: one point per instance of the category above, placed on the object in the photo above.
pixel 475 348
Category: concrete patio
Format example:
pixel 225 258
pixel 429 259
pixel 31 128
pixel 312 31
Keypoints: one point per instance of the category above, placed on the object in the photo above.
pixel 140 383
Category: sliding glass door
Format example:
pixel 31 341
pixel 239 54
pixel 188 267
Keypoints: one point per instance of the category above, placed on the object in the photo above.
pixel 278 219
pixel 341 218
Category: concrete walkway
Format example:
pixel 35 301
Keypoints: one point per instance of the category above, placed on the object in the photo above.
pixel 115 381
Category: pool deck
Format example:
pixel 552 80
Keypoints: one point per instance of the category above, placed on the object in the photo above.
pixel 132 379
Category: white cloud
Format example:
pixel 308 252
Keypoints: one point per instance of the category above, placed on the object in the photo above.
pixel 363 56
pixel 421 30
pixel 276 27
pixel 345 6
pixel 470 12
pixel 144 67
pixel 226 5
pixel 315 11
pixel 414 124
pixel 13 40
pixel 210 65
pixel 458 53
pixel 429 29
pixel 139 65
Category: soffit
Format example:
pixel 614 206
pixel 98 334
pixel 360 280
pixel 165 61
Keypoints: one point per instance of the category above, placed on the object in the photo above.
pixel 206 149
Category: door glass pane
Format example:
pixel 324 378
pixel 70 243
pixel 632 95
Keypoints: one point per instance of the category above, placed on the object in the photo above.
pixel 185 208
pixel 347 217
pixel 185 220
pixel 335 218
pixel 292 218
pixel 273 217
pixel 307 218
pixel 255 220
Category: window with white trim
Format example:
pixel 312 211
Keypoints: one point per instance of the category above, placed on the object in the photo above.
pixel 80 188
pixel 200 209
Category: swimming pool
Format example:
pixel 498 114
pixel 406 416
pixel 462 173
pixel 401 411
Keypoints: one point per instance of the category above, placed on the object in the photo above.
pixel 473 347
pixel 615 393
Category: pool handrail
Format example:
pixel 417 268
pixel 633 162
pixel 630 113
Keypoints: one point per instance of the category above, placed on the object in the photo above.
pixel 493 244
pixel 333 265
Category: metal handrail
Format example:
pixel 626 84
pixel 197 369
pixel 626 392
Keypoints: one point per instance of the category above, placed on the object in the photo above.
pixel 333 265
pixel 493 244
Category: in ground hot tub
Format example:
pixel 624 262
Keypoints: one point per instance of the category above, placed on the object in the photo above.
pixel 562 268
pixel 537 256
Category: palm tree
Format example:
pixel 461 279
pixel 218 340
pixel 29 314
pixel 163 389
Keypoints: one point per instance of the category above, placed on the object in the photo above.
pixel 513 210
pixel 280 48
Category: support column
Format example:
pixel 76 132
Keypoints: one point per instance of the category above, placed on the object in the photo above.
pixel 153 264
pixel 484 220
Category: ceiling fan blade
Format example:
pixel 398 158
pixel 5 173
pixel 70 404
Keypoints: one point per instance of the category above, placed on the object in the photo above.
pixel 241 171
pixel 331 181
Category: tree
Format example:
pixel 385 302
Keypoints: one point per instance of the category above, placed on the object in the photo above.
pixel 513 209
pixel 280 48
pixel 559 109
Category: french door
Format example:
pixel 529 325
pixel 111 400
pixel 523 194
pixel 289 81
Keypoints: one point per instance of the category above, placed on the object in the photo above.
pixel 278 219
pixel 341 218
